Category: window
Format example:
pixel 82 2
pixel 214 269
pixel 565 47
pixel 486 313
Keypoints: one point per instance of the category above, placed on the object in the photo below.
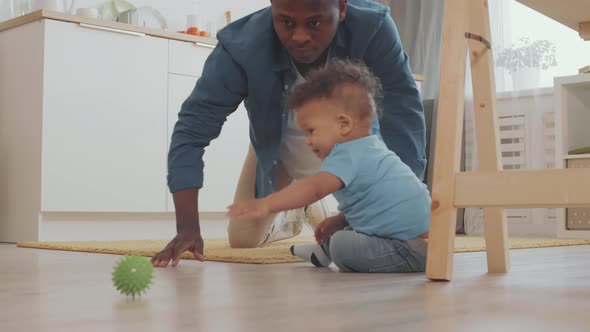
pixel 514 27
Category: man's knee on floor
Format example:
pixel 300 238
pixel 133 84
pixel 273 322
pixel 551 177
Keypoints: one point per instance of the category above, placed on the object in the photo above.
pixel 238 239
pixel 238 242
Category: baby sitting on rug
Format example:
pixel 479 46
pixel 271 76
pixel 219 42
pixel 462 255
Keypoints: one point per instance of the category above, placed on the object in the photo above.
pixel 384 208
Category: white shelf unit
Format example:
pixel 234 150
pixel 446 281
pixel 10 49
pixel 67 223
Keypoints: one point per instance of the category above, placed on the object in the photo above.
pixel 572 124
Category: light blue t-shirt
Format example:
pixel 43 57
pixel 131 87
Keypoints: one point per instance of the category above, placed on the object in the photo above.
pixel 381 195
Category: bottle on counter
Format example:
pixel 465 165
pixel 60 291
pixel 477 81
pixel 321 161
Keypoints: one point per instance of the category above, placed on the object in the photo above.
pixel 193 20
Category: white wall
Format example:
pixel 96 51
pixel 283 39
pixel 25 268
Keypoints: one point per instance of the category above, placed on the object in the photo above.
pixel 175 11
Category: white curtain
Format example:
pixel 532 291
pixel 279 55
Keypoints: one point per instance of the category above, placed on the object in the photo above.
pixel 420 27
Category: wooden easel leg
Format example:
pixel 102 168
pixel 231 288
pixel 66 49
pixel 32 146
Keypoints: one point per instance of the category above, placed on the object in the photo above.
pixel 482 72
pixel 449 130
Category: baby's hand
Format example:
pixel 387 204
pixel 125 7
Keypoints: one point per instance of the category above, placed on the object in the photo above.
pixel 251 209
pixel 327 228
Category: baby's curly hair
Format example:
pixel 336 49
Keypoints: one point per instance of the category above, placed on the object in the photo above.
pixel 349 83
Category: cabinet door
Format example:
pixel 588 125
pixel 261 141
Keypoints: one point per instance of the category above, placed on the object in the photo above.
pixel 223 158
pixel 104 120
pixel 187 58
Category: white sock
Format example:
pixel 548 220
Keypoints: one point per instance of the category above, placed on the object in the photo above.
pixel 311 252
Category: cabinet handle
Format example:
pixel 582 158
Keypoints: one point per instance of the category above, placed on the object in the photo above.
pixel 98 27
pixel 204 45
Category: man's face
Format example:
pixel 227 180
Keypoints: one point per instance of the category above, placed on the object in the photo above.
pixel 307 27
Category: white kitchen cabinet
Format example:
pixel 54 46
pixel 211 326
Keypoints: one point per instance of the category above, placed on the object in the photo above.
pixel 104 120
pixel 84 129
pixel 188 58
pixel 223 158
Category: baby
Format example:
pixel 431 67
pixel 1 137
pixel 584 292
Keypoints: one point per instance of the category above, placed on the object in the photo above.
pixel 384 208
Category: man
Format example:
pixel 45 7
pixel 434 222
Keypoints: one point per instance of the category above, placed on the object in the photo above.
pixel 257 60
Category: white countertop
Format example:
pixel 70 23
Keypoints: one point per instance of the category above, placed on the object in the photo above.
pixel 44 14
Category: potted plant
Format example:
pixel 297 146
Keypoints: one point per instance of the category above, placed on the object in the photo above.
pixel 525 61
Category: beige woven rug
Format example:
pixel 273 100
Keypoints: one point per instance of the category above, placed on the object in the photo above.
pixel 278 252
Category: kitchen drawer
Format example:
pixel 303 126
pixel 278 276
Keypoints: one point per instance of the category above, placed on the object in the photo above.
pixel 186 58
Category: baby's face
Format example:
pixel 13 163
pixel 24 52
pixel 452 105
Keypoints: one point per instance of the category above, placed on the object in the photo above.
pixel 319 119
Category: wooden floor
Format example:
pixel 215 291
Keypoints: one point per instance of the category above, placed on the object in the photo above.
pixel 547 290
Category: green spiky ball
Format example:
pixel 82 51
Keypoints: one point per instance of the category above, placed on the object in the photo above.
pixel 133 275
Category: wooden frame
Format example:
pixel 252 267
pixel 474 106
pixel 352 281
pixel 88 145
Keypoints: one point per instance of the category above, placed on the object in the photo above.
pixel 574 14
pixel 584 30
pixel 466 32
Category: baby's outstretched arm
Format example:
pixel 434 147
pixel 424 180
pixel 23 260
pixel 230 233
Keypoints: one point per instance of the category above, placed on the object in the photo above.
pixel 298 194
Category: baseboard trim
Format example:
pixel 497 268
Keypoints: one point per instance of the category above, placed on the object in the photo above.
pixel 66 226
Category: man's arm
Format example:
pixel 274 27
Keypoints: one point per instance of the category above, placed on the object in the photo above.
pixel 218 92
pixel 187 209
pixel 298 194
pixel 402 123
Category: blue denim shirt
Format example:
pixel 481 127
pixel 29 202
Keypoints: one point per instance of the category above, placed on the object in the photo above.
pixel 250 64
